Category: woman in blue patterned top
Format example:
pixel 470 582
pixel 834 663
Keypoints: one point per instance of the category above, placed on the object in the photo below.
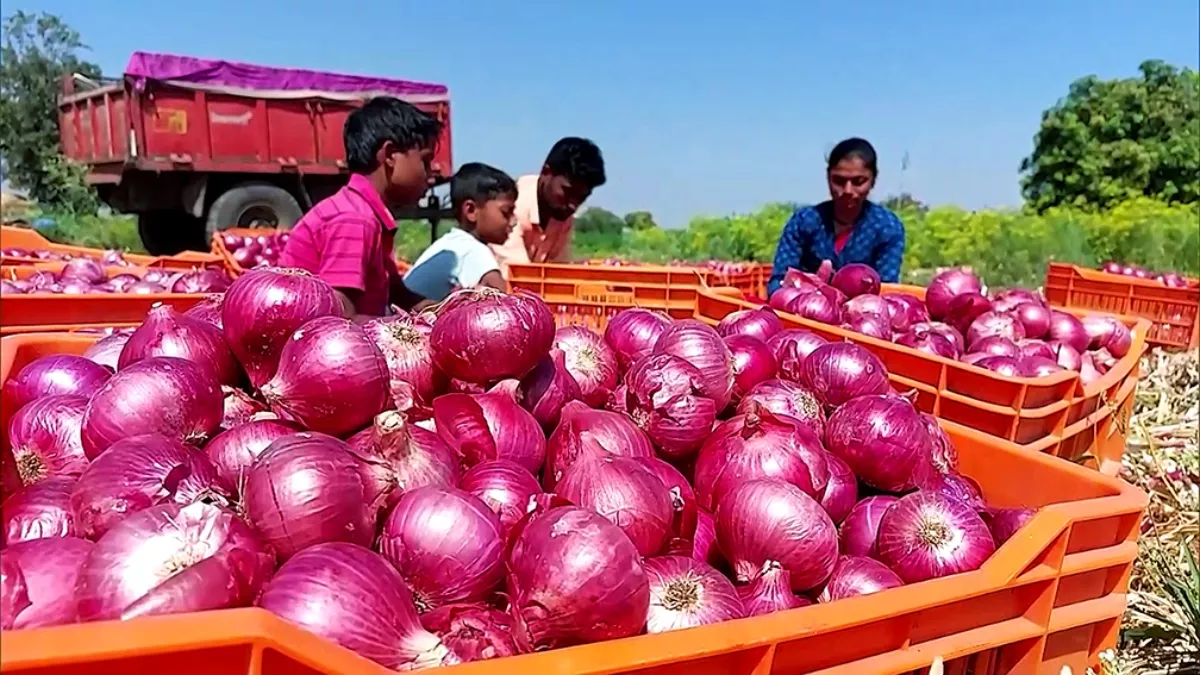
pixel 848 228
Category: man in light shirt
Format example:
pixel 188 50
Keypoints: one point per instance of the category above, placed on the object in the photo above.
pixel 547 202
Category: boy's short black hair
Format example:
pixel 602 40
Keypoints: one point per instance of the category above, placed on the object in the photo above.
pixel 385 118
pixel 479 183
pixel 577 159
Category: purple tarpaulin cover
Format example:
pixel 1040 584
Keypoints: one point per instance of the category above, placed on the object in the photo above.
pixel 267 81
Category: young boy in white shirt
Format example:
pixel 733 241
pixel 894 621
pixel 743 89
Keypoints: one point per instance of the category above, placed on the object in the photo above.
pixel 484 203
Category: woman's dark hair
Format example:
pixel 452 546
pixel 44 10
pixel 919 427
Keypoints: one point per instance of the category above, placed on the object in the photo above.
pixel 381 119
pixel 855 147
pixel 577 159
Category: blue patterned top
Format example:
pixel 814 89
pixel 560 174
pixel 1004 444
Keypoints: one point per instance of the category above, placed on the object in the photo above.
pixel 876 240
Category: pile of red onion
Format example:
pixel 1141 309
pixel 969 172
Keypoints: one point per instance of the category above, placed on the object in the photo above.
pixel 109 258
pixel 1013 332
pixel 473 483
pixel 1168 279
pixel 255 250
pixel 82 276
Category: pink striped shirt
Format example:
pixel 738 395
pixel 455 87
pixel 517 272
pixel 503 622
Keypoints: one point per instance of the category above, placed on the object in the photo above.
pixel 347 240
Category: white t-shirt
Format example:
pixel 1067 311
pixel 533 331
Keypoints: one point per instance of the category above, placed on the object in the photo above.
pixel 456 260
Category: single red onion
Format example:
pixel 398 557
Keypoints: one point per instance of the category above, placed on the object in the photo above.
pixel 859 532
pixel 789 400
pixel 399 457
pixel 791 348
pixel 12 288
pixel 1003 523
pixel 208 310
pixel 996 345
pixel 505 487
pixel 1034 318
pixel 683 502
pixel 838 372
pixel 1067 356
pixel 238 407
pixel 1066 328
pixel 871 325
pixel 867 304
pixel 945 330
pixel 162 394
pixel 854 576
pixel 173 559
pixel 202 281
pixel 625 492
pixel 685 593
pixel 484 336
pixel 770 520
pixel 236 449
pixel 955 486
pixel 547 388
pixel 584 432
pixel 930 342
pixel 145 287
pixel 472 632
pixel 137 473
pixel 753 363
pixel 947 285
pixel 307 489
pixel 856 279
pixel 84 270
pixel 1008 299
pixel 1004 365
pixel 367 608
pixel 45 438
pixel 157 275
pixel 943 455
pixel 632 334
pixel 882 439
pixel 1103 360
pixel 62 374
pixel 974 357
pixel 786 295
pixel 165 332
pixel 701 346
pixel 816 306
pixel 841 492
pixel 761 323
pixel 413 380
pixel 665 397
pixel 447 546
pixel 47 571
pixel 121 282
pixel 704 543
pixel 331 378
pixel 1029 348
pixel 1106 332
pixel 905 310
pixel 926 535
pixel 991 324
pixel 1037 366
pixel 263 308
pixel 770 592
pixel 107 350
pixel 589 360
pixel 481 427
pixel 40 511
pixel 965 309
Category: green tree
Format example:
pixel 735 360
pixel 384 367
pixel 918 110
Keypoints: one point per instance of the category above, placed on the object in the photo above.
pixel 38 51
pixel 640 220
pixel 904 203
pixel 599 221
pixel 1110 141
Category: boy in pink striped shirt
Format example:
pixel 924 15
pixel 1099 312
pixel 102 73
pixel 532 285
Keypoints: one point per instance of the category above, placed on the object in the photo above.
pixel 348 239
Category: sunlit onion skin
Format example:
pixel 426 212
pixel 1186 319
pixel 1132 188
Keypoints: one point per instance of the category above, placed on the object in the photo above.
pixel 1003 523
pixel 1106 332
pixel 838 372
pixel 264 307
pixel 856 279
pixel 590 360
pixel 1068 329
pixel 632 334
pixel 791 348
pixel 770 592
pixel 575 578
pixel 854 576
pixel 331 378
pixel 84 269
pixel 871 325
pixel 964 309
pixel 238 408
pixel 683 502
pixel 625 492
pixel 173 559
pixel 413 378
pixel 945 286
pixel 841 492
pixel 867 304
pixel 208 310
pixel 399 457
pixel 996 345
pixel 481 427
pixel 107 350
pixel 1034 318
pixel 1031 347
pixel 505 487
pixel 994 323
pixel 45 438
pixel 547 388
pixel 40 511
pixel 882 439
pixel 307 489
pixel 783 297
pixel 685 593
pixel 446 544
pixel 761 323
pixel 1004 365
pixel 699 344
pixel 929 342
pixel 664 396
pixel 753 363
pixel 704 543
pixel 202 281
pixel 926 535
pixel 582 431
pixel 166 332
pixel 162 394
pixel 368 609
pixel 61 374
pixel 859 532
pixel 49 570
pixel 788 399
pixel 816 306
pixel 905 310
pixel 1038 366
pixel 235 450
pixel 484 336
pixel 472 632
pixel 769 520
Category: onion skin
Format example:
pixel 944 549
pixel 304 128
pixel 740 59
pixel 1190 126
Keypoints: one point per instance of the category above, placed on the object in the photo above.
pixel 784 398
pixel 816 306
pixel 761 323
pixel 859 533
pixel 945 286
pixel 589 360
pixel 854 576
pixel 584 432
pixel 1006 522
pixel 575 578
pixel 45 438
pixel 446 544
pixel 699 344
pixel 369 609
pixel 792 348
pixel 685 593
pixel 1038 366
pixel 162 394
pixel 1034 318
pixel 867 305
pixel 481 427
pixel 841 492
pixel 307 489
pixel 173 559
pixel 664 396
pixel 484 336
pixel 166 332
pixel 994 323
pixel 202 281
pixel 413 378
pixel 926 535
pixel 208 310
pixel 838 372
pixel 871 325
pixel 40 511
pixel 632 334
pixel 1028 348
pixel 965 309
pixel 1106 332
pixel 547 388
pixel 238 408
pixel 783 297
pixel 625 492
pixel 1004 365
pixel 61 374
pixel 1066 328
pixel 770 592
pixel 996 345
pixel 472 632
pixel 704 543
pixel 856 279
pixel 505 487
pixel 929 342
pixel 882 439
pixel 753 362
pixel 905 310
pixel 234 451
pixel 107 350
pixel 49 570
pixel 399 457
pixel 770 520
pixel 683 503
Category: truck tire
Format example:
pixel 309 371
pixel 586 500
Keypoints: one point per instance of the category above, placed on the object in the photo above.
pixel 170 232
pixel 253 205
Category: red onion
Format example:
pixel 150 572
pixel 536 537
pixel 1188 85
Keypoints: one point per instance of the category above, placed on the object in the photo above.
pixel 701 346
pixel 48 570
pixel 685 593
pixel 202 281
pixel 480 427
pixel 1037 366
pixel 157 276
pixel 704 543
pixel 331 378
pixel 1034 318
pixel 854 576
pixel 145 287
pixel 946 331
pixel 816 306
pixel 955 486
pixel 770 592
pixel 683 504
pixel 121 282
pixel 447 546
pixel 263 308
pixel 547 388
pixel 1069 330
pixel 365 606
pixel 929 342
pixel 995 345
pixel 237 408
pixel 789 400
pixel 137 473
pixel 943 455
pixel 872 325
pixel 173 559
pixel 1106 332
pixel 759 445
pixel 412 376
pixel 841 492
pixel 759 323
pixel 838 372
pixel 56 374
pixel 1004 523
pixel 991 324
pixel 770 520
pixel 859 532
pixel 484 336
pixel 165 332
pixel 1088 371
pixel 107 350
pixel 84 270
pixel 625 492
pixel 946 286
pixel 792 348
pixel 45 438
pixel 595 433
pixel 307 489
pixel 162 394
pixel 665 398
pixel 926 535
pixel 589 360
pixel 505 487
pixel 472 632
pixel 1004 365
pixel 1103 360
pixel 1029 348
pixel 856 279
pixel 400 457
pixel 40 280
pixel 882 439
pixel 575 578
pixel 905 310
pixel 1009 299
pixel 1067 356
pixel 10 288
pixel 867 304
pixel 632 334
pixel 208 310
pixel 234 451
pixel 40 511
pixel 964 309
pixel 753 363
pixel 786 295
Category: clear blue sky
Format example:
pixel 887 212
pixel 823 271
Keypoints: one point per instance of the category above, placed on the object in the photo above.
pixel 701 107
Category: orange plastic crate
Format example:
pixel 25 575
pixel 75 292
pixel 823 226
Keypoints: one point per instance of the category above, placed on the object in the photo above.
pixel 1049 598
pixel 1171 312
pixel 752 283
pixel 19 237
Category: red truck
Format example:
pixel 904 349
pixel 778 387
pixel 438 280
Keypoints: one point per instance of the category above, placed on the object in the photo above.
pixel 193 146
